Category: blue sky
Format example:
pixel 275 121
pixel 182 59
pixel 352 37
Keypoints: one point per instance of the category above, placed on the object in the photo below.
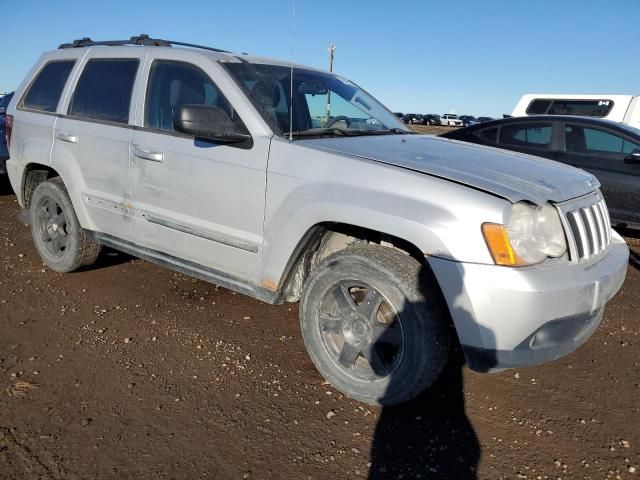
pixel 468 56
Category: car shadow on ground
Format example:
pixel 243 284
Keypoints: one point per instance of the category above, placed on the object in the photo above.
pixel 634 259
pixel 628 232
pixel 109 258
pixel 429 437
pixel 632 237
pixel 5 186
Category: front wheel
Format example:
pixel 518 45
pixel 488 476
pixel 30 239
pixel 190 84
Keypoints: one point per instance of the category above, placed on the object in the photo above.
pixel 374 324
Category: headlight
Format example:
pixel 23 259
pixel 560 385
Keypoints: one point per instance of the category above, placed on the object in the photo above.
pixel 532 234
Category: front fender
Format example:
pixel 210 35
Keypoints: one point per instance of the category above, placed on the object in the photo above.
pixel 439 217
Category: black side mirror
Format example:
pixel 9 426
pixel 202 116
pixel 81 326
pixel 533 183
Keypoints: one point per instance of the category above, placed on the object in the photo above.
pixel 634 158
pixel 209 123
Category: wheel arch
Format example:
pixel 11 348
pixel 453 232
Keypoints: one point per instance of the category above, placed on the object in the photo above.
pixel 35 173
pixel 326 238
pixel 32 175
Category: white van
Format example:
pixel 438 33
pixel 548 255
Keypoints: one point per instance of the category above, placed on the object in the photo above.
pixel 618 108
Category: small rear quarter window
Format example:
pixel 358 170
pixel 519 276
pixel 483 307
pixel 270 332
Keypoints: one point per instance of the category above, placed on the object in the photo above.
pixel 584 108
pixel 538 107
pixel 46 89
pixel 598 108
pixel 487 134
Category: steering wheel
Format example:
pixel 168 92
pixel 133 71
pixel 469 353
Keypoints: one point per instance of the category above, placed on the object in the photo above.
pixel 339 118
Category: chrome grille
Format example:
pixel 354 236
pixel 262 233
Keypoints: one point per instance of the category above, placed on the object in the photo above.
pixel 590 228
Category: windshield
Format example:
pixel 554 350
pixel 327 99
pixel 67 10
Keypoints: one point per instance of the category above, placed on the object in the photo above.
pixel 323 103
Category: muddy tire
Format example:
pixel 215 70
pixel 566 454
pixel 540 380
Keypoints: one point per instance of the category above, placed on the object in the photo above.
pixel 374 324
pixel 62 243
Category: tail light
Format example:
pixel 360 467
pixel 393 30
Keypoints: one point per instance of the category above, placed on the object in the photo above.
pixel 8 126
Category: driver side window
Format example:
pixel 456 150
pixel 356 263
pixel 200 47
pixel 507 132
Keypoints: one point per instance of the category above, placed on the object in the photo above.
pixel 172 84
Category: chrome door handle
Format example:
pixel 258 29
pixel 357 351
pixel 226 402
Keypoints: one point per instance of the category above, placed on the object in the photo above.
pixel 65 137
pixel 148 154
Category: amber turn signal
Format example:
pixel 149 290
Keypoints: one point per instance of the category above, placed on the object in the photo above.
pixel 498 242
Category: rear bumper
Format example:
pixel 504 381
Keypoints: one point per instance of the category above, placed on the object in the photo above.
pixel 512 317
pixel 15 178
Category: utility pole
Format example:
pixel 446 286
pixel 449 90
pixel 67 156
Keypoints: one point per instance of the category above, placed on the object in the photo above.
pixel 331 49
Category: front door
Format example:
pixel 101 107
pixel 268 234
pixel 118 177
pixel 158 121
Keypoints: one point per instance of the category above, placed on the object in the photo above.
pixel 195 200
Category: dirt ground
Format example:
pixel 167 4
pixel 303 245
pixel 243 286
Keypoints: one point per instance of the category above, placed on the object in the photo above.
pixel 431 129
pixel 128 370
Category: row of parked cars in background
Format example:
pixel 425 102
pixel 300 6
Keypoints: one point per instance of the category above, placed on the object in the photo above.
pixel 447 120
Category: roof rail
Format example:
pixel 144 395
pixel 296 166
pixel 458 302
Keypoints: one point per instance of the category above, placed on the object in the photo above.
pixel 143 39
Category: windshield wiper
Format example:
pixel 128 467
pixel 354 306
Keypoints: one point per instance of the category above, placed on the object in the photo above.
pixel 395 130
pixel 318 132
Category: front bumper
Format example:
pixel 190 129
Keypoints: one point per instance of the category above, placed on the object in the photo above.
pixel 510 317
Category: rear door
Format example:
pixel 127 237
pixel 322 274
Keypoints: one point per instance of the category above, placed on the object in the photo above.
pixel 602 151
pixel 91 139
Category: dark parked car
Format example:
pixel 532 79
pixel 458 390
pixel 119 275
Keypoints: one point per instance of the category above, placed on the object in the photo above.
pixel 4 151
pixel 609 150
pixel 4 102
pixel 468 120
pixel 431 119
pixel 485 119
pixel 412 118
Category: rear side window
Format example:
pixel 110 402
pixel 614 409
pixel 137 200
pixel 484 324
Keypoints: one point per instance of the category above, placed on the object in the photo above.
pixel 489 134
pixel 44 93
pixel 104 89
pixel 172 84
pixel 527 135
pixel 586 108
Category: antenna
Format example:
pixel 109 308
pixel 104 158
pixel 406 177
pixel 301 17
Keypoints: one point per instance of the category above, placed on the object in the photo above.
pixel 332 50
pixel 293 18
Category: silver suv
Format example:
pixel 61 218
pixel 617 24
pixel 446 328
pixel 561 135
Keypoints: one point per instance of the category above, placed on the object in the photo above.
pixel 294 184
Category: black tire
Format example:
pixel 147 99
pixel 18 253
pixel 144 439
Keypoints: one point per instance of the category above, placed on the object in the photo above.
pixel 62 243
pixel 382 304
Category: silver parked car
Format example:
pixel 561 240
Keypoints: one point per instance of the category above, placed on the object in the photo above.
pixel 239 171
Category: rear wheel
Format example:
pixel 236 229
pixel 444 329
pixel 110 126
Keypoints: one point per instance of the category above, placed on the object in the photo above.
pixel 61 242
pixel 374 325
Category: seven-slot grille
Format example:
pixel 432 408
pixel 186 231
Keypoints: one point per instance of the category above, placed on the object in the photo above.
pixel 591 229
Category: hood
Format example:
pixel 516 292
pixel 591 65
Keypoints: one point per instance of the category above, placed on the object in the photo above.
pixel 511 175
